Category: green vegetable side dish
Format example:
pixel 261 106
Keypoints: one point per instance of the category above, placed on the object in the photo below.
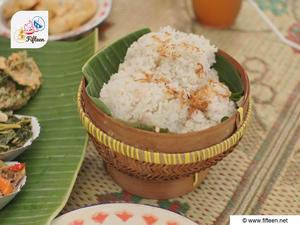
pixel 105 63
pixel 14 132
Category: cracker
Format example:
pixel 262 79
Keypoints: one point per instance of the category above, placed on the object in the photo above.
pixel 64 15
pixel 45 5
pixel 12 6
pixel 79 13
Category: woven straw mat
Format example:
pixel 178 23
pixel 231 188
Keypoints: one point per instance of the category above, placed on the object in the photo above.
pixel 262 175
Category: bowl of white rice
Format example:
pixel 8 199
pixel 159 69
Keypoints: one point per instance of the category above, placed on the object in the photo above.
pixel 161 108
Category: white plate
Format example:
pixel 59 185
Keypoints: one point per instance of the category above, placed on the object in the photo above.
pixel 121 214
pixel 103 10
pixel 5 200
pixel 36 129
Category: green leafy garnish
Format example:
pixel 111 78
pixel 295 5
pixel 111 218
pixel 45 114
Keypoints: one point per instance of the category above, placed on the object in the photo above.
pixel 236 96
pixel 230 77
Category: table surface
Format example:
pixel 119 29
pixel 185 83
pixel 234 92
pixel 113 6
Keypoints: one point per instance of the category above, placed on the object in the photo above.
pixel 262 175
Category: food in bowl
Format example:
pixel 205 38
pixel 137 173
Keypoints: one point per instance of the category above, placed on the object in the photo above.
pixel 12 179
pixel 14 131
pixel 64 15
pixel 151 164
pixel 20 79
pixel 17 133
pixel 167 81
pixel 11 176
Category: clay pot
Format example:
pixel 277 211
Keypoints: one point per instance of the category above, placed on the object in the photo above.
pixel 149 179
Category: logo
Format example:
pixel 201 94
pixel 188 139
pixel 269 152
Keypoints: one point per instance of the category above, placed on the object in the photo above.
pixel 29 29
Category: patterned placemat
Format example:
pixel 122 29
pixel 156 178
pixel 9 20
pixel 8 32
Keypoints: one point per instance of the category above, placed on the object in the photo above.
pixel 262 175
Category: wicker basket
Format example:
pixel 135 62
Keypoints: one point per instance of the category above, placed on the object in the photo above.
pixel 162 165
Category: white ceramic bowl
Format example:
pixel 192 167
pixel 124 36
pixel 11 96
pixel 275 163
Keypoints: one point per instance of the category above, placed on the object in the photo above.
pixel 6 199
pixel 12 154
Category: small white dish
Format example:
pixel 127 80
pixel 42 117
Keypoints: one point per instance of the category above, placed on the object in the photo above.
pixel 103 10
pixel 12 154
pixel 121 214
pixel 6 199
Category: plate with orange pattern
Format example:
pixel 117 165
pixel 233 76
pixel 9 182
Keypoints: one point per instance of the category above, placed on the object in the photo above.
pixel 121 214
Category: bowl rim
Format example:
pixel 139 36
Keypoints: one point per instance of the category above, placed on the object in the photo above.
pixel 244 104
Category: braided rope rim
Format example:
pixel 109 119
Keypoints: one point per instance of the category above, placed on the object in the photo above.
pixel 151 156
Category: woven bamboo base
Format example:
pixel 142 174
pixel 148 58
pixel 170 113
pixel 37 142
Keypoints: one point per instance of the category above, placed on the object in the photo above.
pixel 157 190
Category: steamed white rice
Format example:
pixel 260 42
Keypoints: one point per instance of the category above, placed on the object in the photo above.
pixel 167 81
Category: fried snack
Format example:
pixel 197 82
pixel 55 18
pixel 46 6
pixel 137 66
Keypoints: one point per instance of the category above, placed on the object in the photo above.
pixel 72 15
pixel 23 70
pixel 64 15
pixel 12 6
pixel 42 5
pixel 12 98
pixel 55 7
pixel 20 79
pixel 2 63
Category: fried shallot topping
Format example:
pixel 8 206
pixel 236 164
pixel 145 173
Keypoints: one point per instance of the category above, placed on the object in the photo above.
pixel 149 78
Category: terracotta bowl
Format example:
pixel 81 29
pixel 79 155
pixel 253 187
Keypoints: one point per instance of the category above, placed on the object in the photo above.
pixel 162 165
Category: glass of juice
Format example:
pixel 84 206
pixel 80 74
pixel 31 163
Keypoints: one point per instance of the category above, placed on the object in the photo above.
pixel 217 13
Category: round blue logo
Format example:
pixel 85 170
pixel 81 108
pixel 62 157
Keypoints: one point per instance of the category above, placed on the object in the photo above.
pixel 38 23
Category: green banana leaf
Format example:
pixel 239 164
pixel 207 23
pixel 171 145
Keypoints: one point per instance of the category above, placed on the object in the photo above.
pixel 105 63
pixel 54 159
pixel 229 76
